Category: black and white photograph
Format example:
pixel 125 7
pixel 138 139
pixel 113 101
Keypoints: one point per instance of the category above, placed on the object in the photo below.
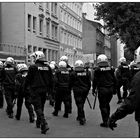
pixel 69 69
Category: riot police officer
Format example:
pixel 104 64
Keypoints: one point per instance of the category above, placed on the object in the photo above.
pixel 23 93
pixel 1 85
pixel 123 78
pixel 39 79
pixel 53 92
pixel 81 83
pixel 9 75
pixel 131 103
pixel 63 88
pixel 70 69
pixel 104 82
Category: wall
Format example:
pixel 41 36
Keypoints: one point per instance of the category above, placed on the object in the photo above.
pixel 89 37
pixel 12 23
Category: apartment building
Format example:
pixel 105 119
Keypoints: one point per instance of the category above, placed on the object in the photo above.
pixel 70 29
pixel 30 27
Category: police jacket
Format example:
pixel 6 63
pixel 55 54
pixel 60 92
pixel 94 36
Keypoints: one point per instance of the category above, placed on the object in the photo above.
pixel 134 69
pixel 20 84
pixel 1 75
pixel 104 77
pixel 9 75
pixel 81 79
pixel 62 78
pixel 132 102
pixel 123 72
pixel 39 77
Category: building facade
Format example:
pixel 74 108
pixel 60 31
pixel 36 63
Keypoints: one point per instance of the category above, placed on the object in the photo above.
pixel 93 40
pixel 27 27
pixel 70 29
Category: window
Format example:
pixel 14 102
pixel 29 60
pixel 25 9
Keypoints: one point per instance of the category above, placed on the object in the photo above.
pixel 55 33
pixel 52 31
pixel 47 5
pixel 55 8
pixel 34 48
pixel 39 49
pixel 29 22
pixel 47 28
pixel 41 26
pixel 34 24
pixel 29 49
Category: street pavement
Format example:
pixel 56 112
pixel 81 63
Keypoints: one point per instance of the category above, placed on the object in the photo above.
pixel 68 127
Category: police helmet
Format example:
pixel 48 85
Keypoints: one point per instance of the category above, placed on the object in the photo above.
pixel 39 55
pixel 102 58
pixel 53 62
pixel 122 60
pixel 1 64
pixel 22 67
pixel 64 58
pixel 62 64
pixel 10 61
pixel 52 66
pixel 79 63
pixel 132 63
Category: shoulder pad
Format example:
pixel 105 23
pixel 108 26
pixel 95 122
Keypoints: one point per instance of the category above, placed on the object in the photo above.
pixel 125 67
pixel 45 68
pixel 81 73
pixel 9 68
pixel 105 68
pixel 64 72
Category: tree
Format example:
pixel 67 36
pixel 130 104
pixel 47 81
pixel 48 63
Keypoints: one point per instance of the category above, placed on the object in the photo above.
pixel 122 19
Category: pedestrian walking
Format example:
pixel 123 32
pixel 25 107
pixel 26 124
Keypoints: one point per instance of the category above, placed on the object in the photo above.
pixel 105 83
pixel 81 83
pixel 9 75
pixel 39 79
pixel 23 93
pixel 63 89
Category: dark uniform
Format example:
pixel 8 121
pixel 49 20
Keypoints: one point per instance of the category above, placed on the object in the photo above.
pixel 1 88
pixel 63 90
pixel 52 93
pixel 123 78
pixel 105 82
pixel 81 83
pixel 39 79
pixel 9 75
pixel 133 70
pixel 22 94
pixel 70 69
pixel 131 104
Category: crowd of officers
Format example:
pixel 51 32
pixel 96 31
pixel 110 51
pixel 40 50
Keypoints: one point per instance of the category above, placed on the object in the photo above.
pixel 43 80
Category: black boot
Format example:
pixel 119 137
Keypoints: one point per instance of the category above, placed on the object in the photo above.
pixel 104 124
pixel 32 119
pixel 55 113
pixel 65 115
pixel 44 128
pixel 37 124
pixel 82 121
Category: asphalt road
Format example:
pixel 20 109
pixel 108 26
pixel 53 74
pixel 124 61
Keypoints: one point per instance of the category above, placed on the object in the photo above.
pixel 68 127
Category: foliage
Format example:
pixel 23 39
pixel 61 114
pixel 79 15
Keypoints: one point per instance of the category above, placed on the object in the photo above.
pixel 122 19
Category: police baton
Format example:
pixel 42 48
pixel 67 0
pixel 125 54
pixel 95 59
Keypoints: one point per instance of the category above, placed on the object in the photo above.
pixel 95 100
pixel 89 103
